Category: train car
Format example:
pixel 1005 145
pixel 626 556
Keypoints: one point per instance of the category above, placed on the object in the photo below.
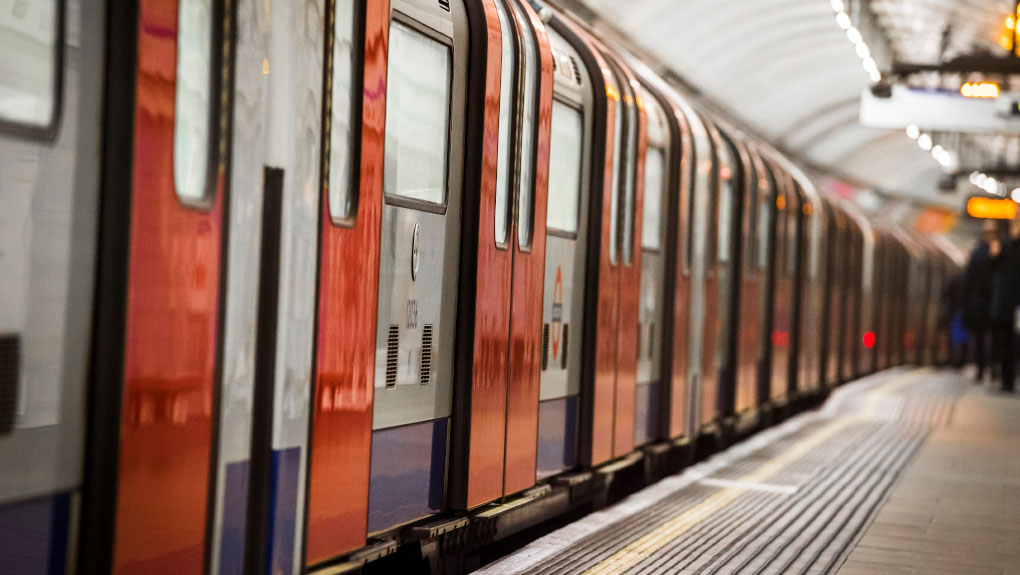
pixel 289 286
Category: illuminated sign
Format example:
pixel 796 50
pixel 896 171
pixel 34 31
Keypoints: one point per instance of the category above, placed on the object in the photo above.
pixel 991 208
pixel 980 90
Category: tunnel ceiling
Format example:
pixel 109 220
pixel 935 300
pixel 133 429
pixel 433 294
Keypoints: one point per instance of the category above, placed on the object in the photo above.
pixel 787 69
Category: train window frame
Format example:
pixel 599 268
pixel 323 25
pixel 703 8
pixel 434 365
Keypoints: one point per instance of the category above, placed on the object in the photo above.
pixel 47 132
pixel 793 227
pixel 613 92
pixel 204 201
pixel 525 169
pixel 767 198
pixel 348 217
pixel 692 189
pixel 398 18
pixel 580 113
pixel 749 210
pixel 727 200
pixel 631 121
pixel 660 150
pixel 508 134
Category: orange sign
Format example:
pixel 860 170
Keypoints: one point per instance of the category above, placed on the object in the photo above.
pixel 991 208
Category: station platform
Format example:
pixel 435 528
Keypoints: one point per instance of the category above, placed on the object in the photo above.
pixel 906 471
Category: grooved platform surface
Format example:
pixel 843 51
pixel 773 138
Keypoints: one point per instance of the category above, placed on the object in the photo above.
pixel 906 471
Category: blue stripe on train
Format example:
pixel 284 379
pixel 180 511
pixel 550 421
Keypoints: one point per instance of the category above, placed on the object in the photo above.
pixel 646 412
pixel 33 535
pixel 408 473
pixel 283 491
pixel 557 435
pixel 235 516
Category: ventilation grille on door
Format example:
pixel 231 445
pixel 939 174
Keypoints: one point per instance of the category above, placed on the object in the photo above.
pixel 10 360
pixel 445 4
pixel 392 346
pixel 426 354
pixel 566 341
pixel 545 347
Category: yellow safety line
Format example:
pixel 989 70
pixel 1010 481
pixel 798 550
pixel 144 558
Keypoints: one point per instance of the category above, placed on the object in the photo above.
pixel 644 546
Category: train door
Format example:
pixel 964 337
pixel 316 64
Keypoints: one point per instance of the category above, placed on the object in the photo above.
pixel 712 300
pixel 864 339
pixel 169 398
pixel 783 263
pixel 747 318
pixel 675 412
pixel 810 273
pixel 493 441
pixel 571 151
pixel 852 317
pixel 50 122
pixel 628 224
pixel 695 172
pixel 423 174
pixel 727 242
pixel 765 238
pixel 654 253
pixel 349 217
pixel 837 254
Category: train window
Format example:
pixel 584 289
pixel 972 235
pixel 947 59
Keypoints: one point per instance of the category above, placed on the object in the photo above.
pixel 341 127
pixel 526 139
pixel 417 116
pixel 655 180
pixel 564 168
pixel 193 121
pixel 792 233
pixel 614 194
pixel 503 157
pixel 31 34
pixel 750 222
pixel 765 194
pixel 630 182
pixel 726 191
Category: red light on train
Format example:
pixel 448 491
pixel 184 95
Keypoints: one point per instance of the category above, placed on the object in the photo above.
pixel 869 339
pixel 780 338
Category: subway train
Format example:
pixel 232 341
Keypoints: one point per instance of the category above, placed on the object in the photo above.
pixel 328 285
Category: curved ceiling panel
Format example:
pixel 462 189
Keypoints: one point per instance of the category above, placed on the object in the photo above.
pixel 787 70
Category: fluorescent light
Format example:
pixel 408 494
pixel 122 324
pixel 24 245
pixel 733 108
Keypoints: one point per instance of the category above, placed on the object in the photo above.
pixel 854 35
pixel 843 20
pixel 837 6
pixel 924 140
pixel 862 51
pixel 913 131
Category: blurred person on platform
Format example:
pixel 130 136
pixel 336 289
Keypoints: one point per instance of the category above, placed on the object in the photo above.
pixel 977 290
pixel 1004 274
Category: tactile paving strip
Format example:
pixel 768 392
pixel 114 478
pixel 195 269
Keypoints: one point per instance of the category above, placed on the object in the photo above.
pixel 796 504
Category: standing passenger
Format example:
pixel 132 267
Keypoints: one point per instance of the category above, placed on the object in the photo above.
pixel 1005 295
pixel 977 292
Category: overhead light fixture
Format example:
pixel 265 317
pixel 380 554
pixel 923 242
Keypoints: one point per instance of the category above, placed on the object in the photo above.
pixel 854 35
pixel 837 6
pixel 924 140
pixel 863 51
pixel 913 131
pixel 1015 195
pixel 843 20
